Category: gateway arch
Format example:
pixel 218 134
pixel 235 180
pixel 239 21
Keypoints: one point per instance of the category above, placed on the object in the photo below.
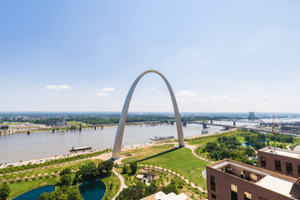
pixel 121 126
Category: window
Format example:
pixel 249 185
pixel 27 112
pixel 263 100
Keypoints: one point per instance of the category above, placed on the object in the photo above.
pixel 277 165
pixel 213 183
pixel 262 198
pixel 247 196
pixel 234 192
pixel 263 161
pixel 213 196
pixel 289 168
pixel 253 177
pixel 234 188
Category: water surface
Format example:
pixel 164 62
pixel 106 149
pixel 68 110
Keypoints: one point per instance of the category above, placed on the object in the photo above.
pixel 94 190
pixel 35 194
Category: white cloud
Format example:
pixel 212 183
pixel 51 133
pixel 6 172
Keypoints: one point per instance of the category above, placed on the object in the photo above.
pixel 153 88
pixel 58 87
pixel 108 90
pixel 102 94
pixel 105 90
pixel 186 93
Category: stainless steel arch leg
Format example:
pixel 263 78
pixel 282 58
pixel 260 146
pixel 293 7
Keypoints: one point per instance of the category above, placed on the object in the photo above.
pixel 121 126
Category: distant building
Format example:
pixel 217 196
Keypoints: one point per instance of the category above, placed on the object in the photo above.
pixel 229 179
pixel 251 116
pixel 58 122
pixel 280 160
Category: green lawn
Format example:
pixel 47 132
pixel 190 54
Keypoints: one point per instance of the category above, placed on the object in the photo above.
pixel 112 179
pixel 21 187
pixel 141 153
pixel 204 140
pixel 181 161
pixel 128 179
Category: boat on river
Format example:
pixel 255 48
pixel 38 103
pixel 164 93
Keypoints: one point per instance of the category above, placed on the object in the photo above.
pixel 158 138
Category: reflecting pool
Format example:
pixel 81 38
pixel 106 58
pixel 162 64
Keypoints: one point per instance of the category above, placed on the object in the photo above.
pixel 93 190
pixel 35 194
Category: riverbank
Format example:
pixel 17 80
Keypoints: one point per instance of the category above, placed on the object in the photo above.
pixel 57 129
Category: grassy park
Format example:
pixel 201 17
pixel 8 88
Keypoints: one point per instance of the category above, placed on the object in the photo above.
pixel 112 184
pixel 27 182
pixel 19 188
pixel 179 160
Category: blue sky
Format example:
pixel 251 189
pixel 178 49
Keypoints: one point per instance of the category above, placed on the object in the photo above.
pixel 231 56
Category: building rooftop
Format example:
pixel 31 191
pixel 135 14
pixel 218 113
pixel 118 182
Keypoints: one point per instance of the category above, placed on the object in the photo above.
pixel 276 184
pixel 171 196
pixel 281 152
pixel 273 181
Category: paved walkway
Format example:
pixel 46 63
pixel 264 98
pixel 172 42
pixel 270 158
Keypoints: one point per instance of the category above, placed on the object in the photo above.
pixel 193 147
pixel 297 148
pixel 122 183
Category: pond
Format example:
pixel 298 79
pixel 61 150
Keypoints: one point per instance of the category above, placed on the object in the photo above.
pixel 35 194
pixel 249 144
pixel 93 190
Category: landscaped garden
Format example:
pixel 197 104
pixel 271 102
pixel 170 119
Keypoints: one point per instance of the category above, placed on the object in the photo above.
pixel 160 180
pixel 73 173
pixel 180 160
pixel 239 145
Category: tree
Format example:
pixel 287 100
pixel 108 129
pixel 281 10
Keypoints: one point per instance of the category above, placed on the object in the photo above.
pixel 172 187
pixel 152 189
pixel 76 180
pixel 74 194
pixel 125 169
pixel 249 151
pixel 133 167
pixel 89 172
pixel 65 171
pixel 101 168
pixel 62 193
pixel 108 165
pixel 4 192
pixel 65 180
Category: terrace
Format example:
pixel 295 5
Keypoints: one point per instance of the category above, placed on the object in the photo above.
pixel 273 181
pixel 281 152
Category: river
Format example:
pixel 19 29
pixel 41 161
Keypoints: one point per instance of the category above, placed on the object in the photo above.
pixel 21 146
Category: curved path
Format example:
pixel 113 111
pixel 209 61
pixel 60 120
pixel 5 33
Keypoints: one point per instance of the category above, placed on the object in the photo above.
pixel 122 183
pixel 193 147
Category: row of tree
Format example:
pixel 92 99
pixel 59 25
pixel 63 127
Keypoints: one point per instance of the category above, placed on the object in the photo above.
pixel 51 162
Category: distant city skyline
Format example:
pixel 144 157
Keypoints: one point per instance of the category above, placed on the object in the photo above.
pixel 83 56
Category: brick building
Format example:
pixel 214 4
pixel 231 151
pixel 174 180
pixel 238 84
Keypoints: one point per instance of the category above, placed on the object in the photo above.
pixel 228 179
pixel 279 160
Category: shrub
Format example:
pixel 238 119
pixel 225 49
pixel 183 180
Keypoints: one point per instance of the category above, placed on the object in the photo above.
pixel 125 169
pixel 133 167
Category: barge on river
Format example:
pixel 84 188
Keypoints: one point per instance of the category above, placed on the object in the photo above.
pixel 158 138
pixel 75 150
